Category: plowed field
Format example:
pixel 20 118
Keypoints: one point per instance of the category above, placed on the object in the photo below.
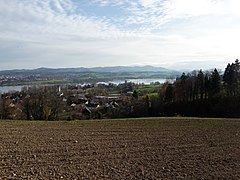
pixel 121 149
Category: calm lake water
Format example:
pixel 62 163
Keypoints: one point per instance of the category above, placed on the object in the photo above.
pixel 140 81
pixel 5 89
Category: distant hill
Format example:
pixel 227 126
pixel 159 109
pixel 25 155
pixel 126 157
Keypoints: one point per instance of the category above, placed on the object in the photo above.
pixel 82 75
pixel 113 69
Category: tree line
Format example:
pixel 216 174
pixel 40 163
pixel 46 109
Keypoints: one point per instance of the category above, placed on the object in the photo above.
pixel 199 93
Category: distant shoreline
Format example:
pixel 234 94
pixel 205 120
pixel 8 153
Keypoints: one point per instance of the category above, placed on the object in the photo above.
pixel 146 81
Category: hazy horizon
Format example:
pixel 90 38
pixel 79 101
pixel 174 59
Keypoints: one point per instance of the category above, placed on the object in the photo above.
pixel 154 66
pixel 173 34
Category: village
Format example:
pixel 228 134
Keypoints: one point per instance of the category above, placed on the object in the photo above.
pixel 71 102
pixel 95 101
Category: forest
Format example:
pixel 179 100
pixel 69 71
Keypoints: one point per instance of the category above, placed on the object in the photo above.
pixel 196 94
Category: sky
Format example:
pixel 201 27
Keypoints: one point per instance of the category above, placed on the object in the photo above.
pixel 175 34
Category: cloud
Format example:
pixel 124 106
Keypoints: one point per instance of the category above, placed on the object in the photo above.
pixel 69 33
pixel 149 15
pixel 54 18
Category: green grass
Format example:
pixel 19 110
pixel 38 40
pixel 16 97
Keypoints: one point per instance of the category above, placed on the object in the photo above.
pixel 147 89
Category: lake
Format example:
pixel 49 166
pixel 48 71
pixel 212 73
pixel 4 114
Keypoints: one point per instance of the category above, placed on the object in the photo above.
pixel 5 89
pixel 141 81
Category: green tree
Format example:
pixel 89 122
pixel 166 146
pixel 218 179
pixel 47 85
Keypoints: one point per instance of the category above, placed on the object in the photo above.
pixel 206 85
pixel 215 83
pixel 200 81
pixel 231 78
pixel 169 93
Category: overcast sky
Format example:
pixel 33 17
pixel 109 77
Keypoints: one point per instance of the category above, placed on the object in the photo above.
pixel 176 34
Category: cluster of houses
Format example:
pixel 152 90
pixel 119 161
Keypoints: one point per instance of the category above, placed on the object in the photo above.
pixel 83 105
pixel 7 79
pixel 76 102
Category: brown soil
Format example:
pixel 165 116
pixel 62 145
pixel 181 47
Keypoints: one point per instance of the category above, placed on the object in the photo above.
pixel 133 149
